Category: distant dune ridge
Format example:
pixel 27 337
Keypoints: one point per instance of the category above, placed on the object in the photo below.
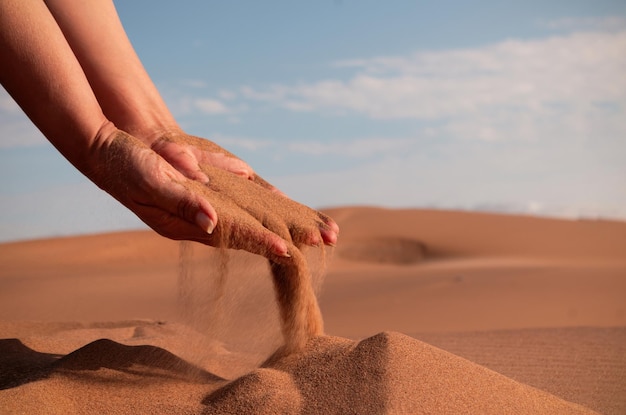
pixel 507 314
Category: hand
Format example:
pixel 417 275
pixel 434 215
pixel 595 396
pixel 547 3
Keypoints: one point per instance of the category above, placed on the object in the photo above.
pixel 173 205
pixel 293 222
pixel 198 158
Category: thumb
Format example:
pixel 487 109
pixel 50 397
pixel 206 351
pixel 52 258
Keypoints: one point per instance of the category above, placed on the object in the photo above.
pixel 178 209
pixel 182 157
pixel 187 201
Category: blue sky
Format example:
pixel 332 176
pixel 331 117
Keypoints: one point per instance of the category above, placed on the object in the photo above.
pixel 482 105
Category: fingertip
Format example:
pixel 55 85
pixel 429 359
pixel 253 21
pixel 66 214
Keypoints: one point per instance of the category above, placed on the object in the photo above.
pixel 279 248
pixel 333 225
pixel 329 236
pixel 241 168
pixel 205 222
pixel 206 216
pixel 329 222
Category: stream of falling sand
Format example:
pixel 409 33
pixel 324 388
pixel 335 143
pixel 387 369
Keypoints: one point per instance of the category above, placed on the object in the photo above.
pixel 294 288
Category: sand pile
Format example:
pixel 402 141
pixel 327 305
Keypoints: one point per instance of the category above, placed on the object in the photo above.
pixel 385 374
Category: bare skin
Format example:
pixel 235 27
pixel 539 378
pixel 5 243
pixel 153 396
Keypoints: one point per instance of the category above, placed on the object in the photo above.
pixel 71 68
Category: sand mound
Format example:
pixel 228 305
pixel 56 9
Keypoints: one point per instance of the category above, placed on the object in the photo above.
pixel 145 359
pixel 387 373
pixel 385 250
pixel 20 364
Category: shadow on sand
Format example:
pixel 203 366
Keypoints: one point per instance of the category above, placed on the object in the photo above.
pixel 20 364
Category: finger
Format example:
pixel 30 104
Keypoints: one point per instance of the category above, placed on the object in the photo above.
pixel 329 230
pixel 253 237
pixel 329 237
pixel 184 199
pixel 182 158
pixel 173 227
pixel 306 237
pixel 237 229
pixel 243 233
pixel 277 226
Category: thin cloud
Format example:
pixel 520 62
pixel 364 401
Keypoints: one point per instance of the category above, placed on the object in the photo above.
pixel 510 83
pixel 577 68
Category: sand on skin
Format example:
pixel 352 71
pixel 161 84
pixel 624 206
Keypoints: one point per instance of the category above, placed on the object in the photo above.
pixel 554 276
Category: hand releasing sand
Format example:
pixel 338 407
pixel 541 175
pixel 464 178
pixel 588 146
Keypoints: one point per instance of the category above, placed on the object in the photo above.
pixel 252 206
pixel 246 215
pixel 288 219
pixel 242 205
pixel 239 213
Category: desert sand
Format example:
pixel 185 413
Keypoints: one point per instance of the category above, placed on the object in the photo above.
pixel 425 312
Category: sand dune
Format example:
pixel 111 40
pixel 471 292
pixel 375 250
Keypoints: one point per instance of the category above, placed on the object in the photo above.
pixel 530 313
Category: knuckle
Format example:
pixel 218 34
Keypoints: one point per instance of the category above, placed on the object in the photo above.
pixel 185 209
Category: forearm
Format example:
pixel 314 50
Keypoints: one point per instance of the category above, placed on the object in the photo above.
pixel 39 70
pixel 122 86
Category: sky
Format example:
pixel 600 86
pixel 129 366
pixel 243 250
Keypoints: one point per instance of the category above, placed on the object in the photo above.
pixel 513 107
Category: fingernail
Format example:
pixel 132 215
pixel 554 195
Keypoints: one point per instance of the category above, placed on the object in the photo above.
pixel 285 254
pixel 203 221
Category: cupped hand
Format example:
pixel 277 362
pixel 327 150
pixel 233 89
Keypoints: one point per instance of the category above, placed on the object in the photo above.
pixel 201 160
pixel 176 206
pixel 295 223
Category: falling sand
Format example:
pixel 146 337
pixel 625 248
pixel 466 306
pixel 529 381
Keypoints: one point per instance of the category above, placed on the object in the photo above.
pixel 242 206
pixel 294 294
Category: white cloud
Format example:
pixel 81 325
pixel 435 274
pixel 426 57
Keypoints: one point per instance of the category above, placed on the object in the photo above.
pixel 491 93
